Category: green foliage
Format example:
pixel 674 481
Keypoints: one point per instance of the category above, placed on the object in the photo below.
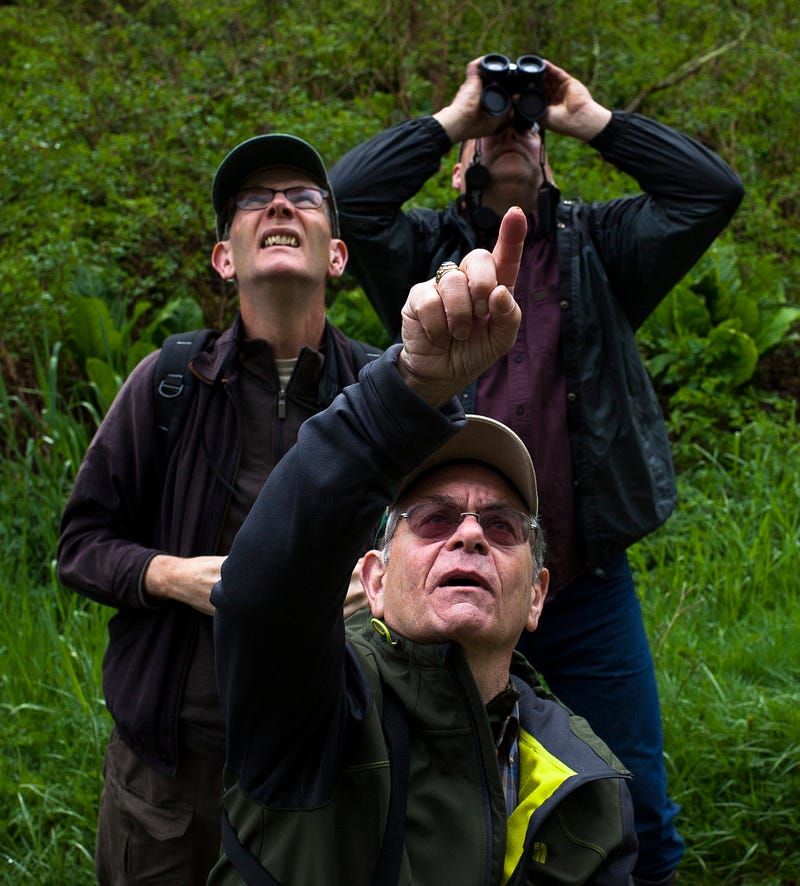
pixel 41 450
pixel 53 728
pixel 110 343
pixel 114 117
pixel 721 607
pixel 704 340
pixel 353 314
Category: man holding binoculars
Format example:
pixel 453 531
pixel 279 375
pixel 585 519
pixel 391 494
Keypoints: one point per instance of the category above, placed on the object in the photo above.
pixel 573 386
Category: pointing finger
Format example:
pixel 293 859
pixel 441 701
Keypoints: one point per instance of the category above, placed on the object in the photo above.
pixel 507 252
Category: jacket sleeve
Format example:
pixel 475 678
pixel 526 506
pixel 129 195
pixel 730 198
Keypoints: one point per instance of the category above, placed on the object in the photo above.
pixel 389 249
pixel 648 242
pixel 279 629
pixel 620 861
pixel 106 527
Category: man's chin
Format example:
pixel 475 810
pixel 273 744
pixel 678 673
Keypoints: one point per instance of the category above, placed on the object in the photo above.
pixel 465 617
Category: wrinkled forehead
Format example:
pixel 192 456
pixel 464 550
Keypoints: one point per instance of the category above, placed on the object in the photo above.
pixel 276 177
pixel 462 481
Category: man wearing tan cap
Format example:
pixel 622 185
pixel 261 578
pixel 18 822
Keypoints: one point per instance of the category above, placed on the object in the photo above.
pixel 413 745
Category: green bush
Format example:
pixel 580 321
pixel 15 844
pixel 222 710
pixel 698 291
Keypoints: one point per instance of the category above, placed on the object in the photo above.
pixel 703 342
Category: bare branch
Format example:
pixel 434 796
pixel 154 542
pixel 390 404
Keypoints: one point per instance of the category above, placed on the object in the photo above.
pixel 687 69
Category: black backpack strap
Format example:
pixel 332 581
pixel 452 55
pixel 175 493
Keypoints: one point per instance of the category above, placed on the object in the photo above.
pixel 387 870
pixel 246 864
pixel 173 381
pixel 395 728
pixel 362 353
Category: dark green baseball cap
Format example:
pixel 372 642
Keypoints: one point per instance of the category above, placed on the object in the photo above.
pixel 274 149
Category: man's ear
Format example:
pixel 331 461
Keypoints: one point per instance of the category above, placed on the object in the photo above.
pixel 338 258
pixel 222 260
pixel 457 178
pixel 538 594
pixel 373 573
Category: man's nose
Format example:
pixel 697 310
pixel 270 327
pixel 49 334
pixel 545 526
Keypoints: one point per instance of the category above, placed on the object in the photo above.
pixel 280 205
pixel 469 535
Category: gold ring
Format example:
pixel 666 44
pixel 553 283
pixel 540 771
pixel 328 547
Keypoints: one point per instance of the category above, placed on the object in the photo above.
pixel 444 268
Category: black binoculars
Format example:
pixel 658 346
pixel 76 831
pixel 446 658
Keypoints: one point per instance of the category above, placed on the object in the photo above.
pixel 503 79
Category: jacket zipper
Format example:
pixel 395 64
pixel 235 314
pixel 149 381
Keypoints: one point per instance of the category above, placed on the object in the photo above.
pixel 487 802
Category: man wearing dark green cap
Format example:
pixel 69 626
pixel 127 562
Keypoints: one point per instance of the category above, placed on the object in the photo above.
pixel 148 526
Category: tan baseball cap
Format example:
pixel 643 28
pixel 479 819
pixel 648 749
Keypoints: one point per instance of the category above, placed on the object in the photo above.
pixel 487 441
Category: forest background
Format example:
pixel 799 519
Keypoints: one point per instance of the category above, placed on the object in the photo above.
pixel 113 117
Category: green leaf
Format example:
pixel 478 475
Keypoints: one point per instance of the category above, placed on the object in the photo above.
pixel 105 381
pixel 736 354
pixel 91 329
pixel 689 313
pixel 776 321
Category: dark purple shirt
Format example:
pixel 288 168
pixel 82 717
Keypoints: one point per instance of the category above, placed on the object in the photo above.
pixel 526 390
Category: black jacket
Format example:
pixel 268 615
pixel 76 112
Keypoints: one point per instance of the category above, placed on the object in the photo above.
pixel 310 799
pixel 617 260
pixel 132 500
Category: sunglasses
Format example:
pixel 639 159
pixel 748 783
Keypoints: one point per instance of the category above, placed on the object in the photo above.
pixel 504 527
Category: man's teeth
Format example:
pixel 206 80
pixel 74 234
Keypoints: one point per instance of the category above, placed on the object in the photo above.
pixel 281 240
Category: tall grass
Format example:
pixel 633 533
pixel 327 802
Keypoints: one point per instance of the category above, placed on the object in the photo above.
pixel 720 585
pixel 53 723
pixel 720 593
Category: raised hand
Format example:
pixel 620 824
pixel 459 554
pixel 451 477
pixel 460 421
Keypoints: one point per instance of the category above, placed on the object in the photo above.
pixel 571 110
pixel 464 118
pixel 454 330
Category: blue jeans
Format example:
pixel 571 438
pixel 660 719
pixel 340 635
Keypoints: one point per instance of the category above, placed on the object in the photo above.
pixel 592 649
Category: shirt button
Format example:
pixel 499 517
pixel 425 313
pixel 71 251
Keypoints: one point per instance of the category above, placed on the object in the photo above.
pixel 572 396
pixel 564 305
pixel 520 410
pixel 518 358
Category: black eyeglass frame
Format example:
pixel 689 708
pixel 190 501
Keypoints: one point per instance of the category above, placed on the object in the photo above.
pixel 295 191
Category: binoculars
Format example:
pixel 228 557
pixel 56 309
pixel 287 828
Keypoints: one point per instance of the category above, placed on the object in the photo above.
pixel 503 79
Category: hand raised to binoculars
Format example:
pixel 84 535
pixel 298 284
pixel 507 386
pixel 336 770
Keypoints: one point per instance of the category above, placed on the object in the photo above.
pixel 455 329
pixel 571 110
pixel 463 118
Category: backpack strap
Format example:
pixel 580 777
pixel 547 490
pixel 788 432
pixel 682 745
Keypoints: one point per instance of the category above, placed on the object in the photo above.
pixel 173 382
pixel 247 865
pixel 362 353
pixel 395 729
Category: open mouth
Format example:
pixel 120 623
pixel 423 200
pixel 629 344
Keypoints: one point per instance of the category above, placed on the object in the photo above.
pixel 462 581
pixel 280 240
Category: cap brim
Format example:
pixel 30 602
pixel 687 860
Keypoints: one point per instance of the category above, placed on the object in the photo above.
pixel 490 442
pixel 259 152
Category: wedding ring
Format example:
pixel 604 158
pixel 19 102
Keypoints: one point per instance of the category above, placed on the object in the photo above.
pixel 444 268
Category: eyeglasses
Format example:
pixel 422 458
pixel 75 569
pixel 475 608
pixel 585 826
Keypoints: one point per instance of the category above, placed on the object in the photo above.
pixel 435 521
pixel 301 196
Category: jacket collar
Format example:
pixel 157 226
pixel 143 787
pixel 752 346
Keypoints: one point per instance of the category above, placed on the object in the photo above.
pixel 218 364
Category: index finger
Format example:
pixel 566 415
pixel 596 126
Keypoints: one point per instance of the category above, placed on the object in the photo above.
pixel 507 252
